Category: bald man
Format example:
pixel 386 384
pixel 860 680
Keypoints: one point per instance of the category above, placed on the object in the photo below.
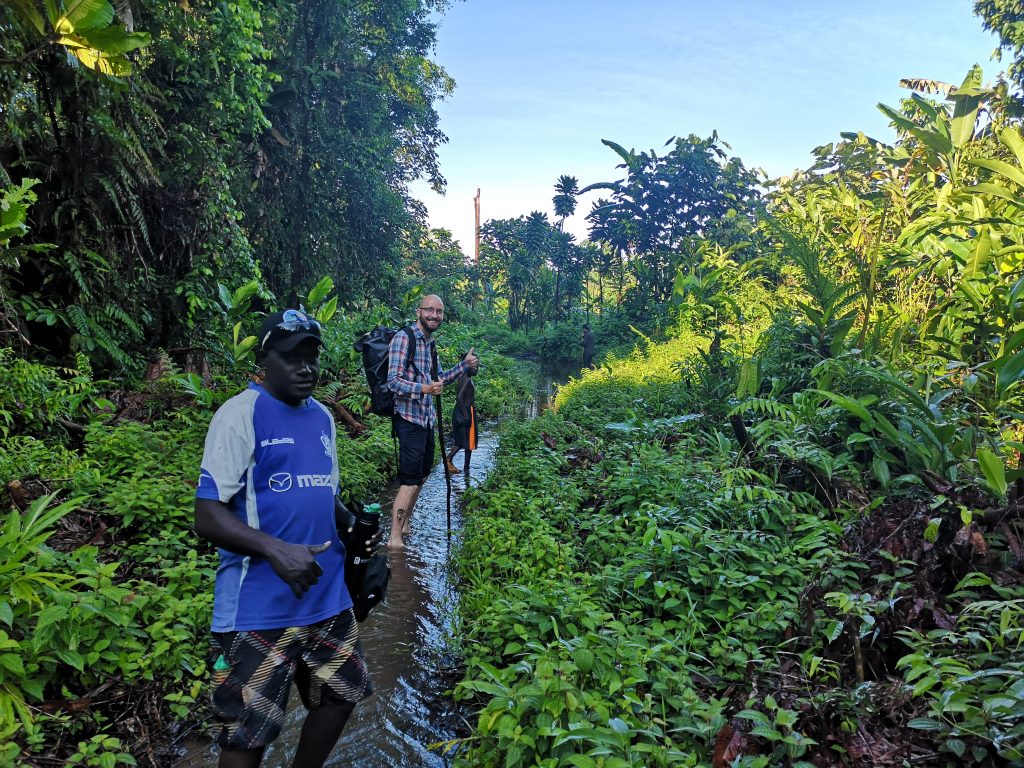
pixel 415 388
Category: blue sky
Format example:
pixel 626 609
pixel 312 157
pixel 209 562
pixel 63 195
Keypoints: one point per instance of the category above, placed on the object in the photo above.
pixel 539 84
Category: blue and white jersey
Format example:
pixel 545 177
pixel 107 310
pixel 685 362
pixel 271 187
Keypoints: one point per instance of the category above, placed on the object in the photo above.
pixel 275 465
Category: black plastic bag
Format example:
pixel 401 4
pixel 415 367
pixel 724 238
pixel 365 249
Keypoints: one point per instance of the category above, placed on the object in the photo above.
pixel 373 587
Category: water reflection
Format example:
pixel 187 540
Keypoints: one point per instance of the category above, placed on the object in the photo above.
pixel 549 379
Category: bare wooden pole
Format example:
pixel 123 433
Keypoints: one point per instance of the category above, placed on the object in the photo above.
pixel 476 227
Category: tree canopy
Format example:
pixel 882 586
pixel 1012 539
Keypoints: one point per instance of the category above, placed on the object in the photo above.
pixel 178 146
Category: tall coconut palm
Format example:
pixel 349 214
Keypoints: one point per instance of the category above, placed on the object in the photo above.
pixel 564 202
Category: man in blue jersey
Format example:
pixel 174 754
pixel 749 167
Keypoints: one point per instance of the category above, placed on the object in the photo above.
pixel 267 497
pixel 415 387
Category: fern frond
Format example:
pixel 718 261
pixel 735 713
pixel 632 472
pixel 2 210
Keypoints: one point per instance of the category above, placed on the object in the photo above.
pixel 116 313
pixel 332 390
pixel 78 319
pixel 766 406
pixel 112 194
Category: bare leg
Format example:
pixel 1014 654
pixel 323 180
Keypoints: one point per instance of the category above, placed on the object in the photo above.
pixel 320 733
pixel 240 758
pixel 452 469
pixel 412 508
pixel 400 512
pixel 465 465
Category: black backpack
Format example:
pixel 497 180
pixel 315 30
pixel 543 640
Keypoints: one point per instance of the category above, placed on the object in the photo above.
pixel 373 346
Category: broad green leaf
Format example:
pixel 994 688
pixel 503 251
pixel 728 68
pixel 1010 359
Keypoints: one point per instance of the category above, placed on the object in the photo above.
pixel 319 292
pixel 881 471
pixel 1011 137
pixel 924 105
pixel 1015 294
pixel 956 746
pixel 834 630
pixel 245 292
pixel 618 725
pixel 627 157
pixel 996 190
pixel 114 65
pixel 33 687
pixel 748 383
pixel 980 254
pixel 29 11
pixel 84 16
pixel 853 406
pixel 1009 369
pixel 12 221
pixel 760 718
pixel 326 312
pixel 114 40
pixel 935 141
pixel 994 470
pixel 901 120
pixel 965 108
pixel 245 347
pixel 1001 167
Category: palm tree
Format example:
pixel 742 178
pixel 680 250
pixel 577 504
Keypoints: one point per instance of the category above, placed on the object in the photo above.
pixel 564 202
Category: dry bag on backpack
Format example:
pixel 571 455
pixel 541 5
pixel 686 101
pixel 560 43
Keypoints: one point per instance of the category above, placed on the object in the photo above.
pixel 374 346
pixel 373 588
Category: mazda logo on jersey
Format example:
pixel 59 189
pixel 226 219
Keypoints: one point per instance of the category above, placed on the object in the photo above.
pixel 314 481
pixel 280 482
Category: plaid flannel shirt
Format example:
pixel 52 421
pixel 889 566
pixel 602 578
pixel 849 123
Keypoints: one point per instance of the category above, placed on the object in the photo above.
pixel 407 383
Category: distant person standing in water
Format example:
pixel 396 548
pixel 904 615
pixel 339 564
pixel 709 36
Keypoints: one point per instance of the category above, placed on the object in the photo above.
pixel 588 347
pixel 415 388
pixel 463 423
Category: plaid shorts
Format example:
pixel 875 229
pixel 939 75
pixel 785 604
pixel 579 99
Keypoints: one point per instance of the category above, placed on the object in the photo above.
pixel 253 675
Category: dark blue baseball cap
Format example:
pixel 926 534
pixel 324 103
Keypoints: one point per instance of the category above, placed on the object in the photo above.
pixel 285 330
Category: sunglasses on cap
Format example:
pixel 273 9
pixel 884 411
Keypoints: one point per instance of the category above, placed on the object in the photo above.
pixel 293 320
pixel 291 327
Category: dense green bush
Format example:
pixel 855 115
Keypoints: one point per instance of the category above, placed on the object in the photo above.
pixel 627 572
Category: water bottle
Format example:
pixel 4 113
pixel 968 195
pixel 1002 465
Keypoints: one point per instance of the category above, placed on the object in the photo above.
pixel 356 558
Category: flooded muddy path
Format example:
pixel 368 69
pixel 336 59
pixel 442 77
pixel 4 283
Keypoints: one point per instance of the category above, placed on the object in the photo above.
pixel 407 643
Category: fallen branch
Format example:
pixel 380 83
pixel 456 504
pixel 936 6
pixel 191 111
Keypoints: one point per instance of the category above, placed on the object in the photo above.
pixel 71 426
pixel 355 426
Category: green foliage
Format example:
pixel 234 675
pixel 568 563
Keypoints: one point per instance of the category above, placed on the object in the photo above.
pixel 665 205
pixel 86 29
pixel 153 203
pixel 35 398
pixel 646 384
pixel 525 260
pixel 585 636
pixel 971 676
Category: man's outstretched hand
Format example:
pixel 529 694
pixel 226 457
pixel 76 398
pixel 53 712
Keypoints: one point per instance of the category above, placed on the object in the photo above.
pixel 296 564
pixel 472 361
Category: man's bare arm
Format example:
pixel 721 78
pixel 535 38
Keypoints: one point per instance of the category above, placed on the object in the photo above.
pixel 295 563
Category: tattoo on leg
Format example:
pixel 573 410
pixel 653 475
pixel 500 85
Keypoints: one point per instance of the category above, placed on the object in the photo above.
pixel 401 516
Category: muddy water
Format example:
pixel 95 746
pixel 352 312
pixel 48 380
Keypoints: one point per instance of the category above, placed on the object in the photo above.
pixel 551 376
pixel 406 640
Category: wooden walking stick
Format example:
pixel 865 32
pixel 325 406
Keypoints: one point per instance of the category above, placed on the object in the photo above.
pixel 440 441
